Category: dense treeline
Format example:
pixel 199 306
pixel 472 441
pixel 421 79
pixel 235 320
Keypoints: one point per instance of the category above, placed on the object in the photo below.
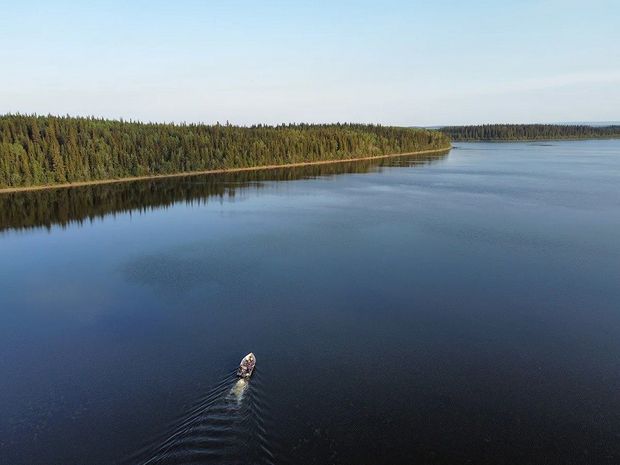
pixel 37 150
pixel 49 207
pixel 529 132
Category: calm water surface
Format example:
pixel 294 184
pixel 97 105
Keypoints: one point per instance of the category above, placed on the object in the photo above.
pixel 448 310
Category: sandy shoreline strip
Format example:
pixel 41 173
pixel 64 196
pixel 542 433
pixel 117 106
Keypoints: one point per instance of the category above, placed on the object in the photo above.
pixel 225 170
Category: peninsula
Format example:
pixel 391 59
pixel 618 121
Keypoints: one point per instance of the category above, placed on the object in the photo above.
pixel 50 151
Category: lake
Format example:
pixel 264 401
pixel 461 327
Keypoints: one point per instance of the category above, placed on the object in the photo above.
pixel 462 308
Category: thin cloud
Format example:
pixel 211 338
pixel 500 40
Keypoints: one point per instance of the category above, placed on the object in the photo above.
pixel 549 82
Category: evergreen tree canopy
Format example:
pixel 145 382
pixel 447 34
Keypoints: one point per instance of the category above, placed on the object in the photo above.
pixel 498 132
pixel 41 150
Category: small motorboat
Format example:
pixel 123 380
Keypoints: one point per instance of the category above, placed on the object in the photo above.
pixel 246 367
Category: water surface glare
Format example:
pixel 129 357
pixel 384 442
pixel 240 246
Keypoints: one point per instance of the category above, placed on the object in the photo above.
pixel 438 310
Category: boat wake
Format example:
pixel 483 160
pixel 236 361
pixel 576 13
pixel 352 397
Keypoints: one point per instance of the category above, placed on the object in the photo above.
pixel 226 427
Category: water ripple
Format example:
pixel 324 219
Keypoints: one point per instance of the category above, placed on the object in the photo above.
pixel 227 426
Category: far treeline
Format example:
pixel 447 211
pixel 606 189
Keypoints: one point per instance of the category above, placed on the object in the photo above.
pixel 47 150
pixel 497 132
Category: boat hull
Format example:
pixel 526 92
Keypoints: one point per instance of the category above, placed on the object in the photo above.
pixel 246 367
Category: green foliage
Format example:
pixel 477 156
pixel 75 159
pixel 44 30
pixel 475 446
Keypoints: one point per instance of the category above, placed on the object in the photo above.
pixel 492 132
pixel 38 150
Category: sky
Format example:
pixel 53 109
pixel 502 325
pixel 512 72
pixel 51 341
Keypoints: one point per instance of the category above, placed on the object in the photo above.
pixel 411 63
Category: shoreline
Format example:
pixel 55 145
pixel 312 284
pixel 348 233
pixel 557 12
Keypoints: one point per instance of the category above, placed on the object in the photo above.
pixel 11 190
pixel 564 139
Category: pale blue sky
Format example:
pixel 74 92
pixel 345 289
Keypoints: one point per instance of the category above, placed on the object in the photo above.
pixel 391 62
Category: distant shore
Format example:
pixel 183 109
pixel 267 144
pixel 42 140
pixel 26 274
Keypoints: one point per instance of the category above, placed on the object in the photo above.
pixel 10 190
pixel 557 139
pixel 529 132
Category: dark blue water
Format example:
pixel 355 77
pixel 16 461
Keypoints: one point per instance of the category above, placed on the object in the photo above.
pixel 459 309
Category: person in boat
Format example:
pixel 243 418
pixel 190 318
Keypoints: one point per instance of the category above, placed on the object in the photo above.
pixel 246 366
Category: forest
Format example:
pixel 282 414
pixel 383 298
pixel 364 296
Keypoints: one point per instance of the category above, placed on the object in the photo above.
pixel 47 150
pixel 497 132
